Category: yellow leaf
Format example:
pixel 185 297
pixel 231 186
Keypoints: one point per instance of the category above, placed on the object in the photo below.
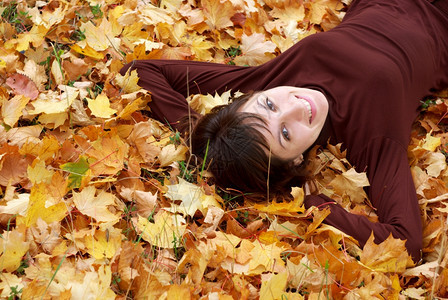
pixel 388 256
pixel 171 153
pixel 39 173
pixel 152 15
pixel 12 109
pixel 285 208
pixel 431 143
pixel 95 206
pixel 87 51
pixel 166 231
pixel 218 13
pixel 37 207
pixel 35 36
pixel 179 292
pixel 100 107
pixel 254 48
pixel 265 258
pixel 12 248
pixel 274 287
pixel 137 104
pixel 128 82
pixel 8 282
pixel 104 244
pixel 53 120
pixel 192 198
pixel 99 38
pixel 55 102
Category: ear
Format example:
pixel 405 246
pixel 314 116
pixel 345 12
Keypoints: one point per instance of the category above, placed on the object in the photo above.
pixel 297 161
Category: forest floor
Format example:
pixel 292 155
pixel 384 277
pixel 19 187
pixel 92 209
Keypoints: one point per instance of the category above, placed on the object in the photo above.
pixel 99 201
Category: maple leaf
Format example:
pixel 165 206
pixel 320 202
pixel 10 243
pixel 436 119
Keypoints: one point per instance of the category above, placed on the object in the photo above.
pixel 318 9
pixel 273 288
pixel 45 149
pixel 192 196
pixel 12 109
pixel 87 51
pixel 51 103
pixel 285 208
pixel 17 205
pixel 351 183
pixel 103 244
pixel 203 104
pixel 436 162
pixel 77 172
pixel 254 48
pixel 36 73
pixel 99 38
pixel 8 283
pixel 218 13
pixel 13 247
pixel 95 206
pixel 152 15
pixel 35 36
pixel 128 82
pixel 266 258
pixel 13 165
pixel 94 284
pixel 37 207
pixel 430 143
pixel 46 235
pixel 166 231
pixel 39 173
pixel 171 153
pixel 107 154
pixel 388 256
pixel 100 107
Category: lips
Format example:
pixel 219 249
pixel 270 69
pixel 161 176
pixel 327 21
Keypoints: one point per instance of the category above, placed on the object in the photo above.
pixel 311 107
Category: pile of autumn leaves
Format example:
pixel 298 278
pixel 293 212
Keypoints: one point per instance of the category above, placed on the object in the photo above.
pixel 100 201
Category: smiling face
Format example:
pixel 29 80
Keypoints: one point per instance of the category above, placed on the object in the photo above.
pixel 294 118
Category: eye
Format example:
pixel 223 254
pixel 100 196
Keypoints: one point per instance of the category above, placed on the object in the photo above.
pixel 270 104
pixel 285 133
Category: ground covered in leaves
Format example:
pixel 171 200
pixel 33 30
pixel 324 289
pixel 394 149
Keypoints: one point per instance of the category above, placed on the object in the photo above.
pixel 99 201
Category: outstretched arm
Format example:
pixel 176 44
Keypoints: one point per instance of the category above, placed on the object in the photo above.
pixel 392 193
pixel 171 81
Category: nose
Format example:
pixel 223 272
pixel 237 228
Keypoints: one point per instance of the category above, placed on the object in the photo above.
pixel 293 111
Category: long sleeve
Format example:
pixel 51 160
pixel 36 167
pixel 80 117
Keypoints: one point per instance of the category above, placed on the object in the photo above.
pixel 392 193
pixel 171 81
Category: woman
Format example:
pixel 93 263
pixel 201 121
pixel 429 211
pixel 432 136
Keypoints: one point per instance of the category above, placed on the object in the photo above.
pixel 359 84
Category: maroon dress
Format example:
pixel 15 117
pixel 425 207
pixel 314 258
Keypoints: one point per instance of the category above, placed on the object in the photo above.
pixel 374 68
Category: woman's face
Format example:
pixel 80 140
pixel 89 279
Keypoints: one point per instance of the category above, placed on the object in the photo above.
pixel 294 118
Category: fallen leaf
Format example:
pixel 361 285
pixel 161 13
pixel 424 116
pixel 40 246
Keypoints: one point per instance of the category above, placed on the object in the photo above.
pixel 95 206
pixel 13 247
pixel 23 85
pixel 388 256
pixel 100 106
pixel 166 231
pixel 273 288
pixel 12 109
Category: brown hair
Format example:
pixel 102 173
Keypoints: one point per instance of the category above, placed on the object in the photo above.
pixel 237 154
